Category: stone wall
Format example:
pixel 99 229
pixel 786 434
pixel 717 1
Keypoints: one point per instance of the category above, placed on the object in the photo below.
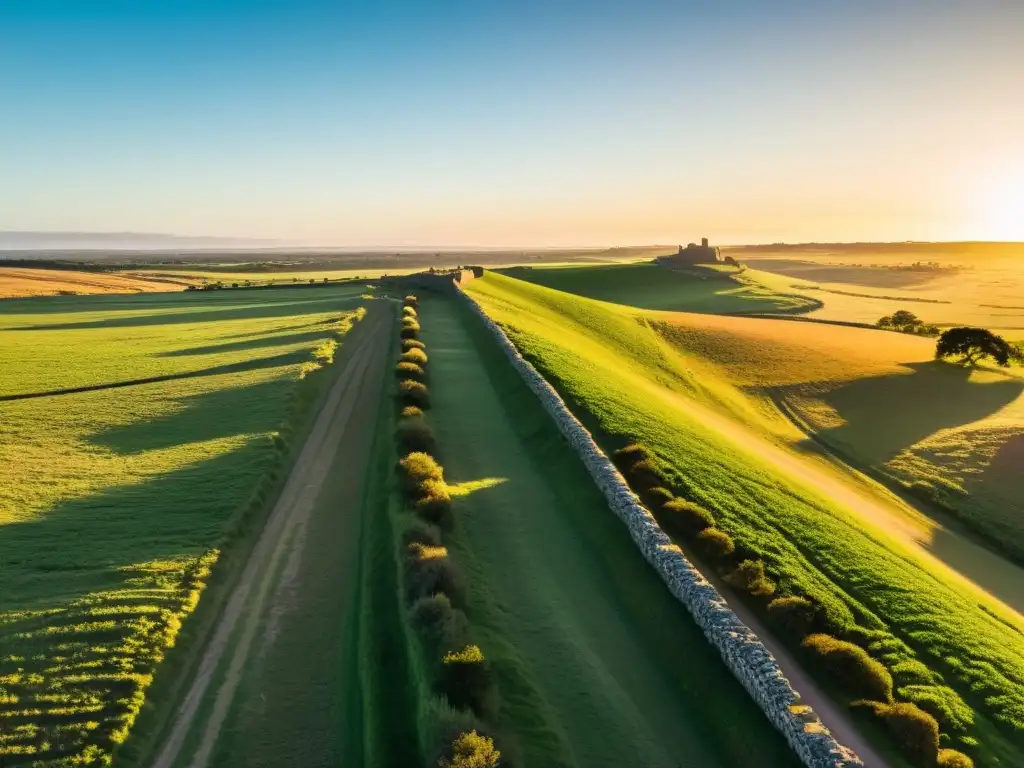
pixel 744 654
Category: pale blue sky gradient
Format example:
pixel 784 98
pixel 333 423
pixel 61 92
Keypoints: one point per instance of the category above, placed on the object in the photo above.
pixel 514 123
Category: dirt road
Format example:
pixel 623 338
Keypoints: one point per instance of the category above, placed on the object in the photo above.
pixel 252 616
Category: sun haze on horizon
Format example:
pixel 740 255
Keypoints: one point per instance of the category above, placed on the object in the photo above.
pixel 525 124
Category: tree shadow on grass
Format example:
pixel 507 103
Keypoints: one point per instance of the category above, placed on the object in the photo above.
pixel 247 311
pixel 885 414
pixel 257 342
pixel 78 545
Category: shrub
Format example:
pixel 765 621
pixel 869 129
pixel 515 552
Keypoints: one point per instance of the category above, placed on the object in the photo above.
pixel 471 750
pixel 915 731
pixel 686 518
pixel 418 531
pixel 414 393
pixel 851 667
pixel 408 312
pixel 408 344
pixel 414 435
pixel 410 322
pixel 411 301
pixel 629 455
pixel 411 411
pixel 750 577
pixel 657 497
pixel 644 475
pixel 409 371
pixel 716 543
pixel 409 333
pixel 795 615
pixel 467 681
pixel 434 503
pixel 439 626
pixel 429 571
pixel 950 758
pixel 941 702
pixel 417 356
pixel 417 468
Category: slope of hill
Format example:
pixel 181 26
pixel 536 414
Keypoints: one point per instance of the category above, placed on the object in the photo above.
pixel 22 282
pixel 871 562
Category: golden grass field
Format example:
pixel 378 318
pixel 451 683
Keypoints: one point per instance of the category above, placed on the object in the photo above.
pixel 951 434
pixel 22 282
pixel 953 283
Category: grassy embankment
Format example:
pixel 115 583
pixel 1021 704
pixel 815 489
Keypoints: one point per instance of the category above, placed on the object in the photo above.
pixel 114 502
pixel 946 644
pixel 595 661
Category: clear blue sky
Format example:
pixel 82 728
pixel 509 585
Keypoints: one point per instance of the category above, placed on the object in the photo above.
pixel 514 123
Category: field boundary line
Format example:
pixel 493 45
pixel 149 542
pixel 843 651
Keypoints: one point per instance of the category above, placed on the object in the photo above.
pixel 743 652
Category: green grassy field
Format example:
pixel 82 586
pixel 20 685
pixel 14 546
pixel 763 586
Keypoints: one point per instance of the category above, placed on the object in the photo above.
pixel 942 638
pixel 651 286
pixel 597 663
pixel 113 501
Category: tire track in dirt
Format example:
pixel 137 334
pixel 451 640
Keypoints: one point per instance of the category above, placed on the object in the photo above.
pixel 278 541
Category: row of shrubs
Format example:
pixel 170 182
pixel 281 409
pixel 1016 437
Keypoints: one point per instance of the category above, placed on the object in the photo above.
pixel 848 666
pixel 459 677
pixel 742 652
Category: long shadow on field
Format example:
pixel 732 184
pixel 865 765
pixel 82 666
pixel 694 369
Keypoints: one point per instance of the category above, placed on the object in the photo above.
pixel 78 546
pixel 248 311
pixel 273 361
pixel 885 414
pixel 259 342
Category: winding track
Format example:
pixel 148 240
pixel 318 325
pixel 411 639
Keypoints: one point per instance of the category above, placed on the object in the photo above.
pixel 274 559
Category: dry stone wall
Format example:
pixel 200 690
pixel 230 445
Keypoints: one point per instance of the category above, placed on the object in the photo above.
pixel 744 654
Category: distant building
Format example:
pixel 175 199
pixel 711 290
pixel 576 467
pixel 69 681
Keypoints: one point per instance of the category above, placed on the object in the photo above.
pixel 695 254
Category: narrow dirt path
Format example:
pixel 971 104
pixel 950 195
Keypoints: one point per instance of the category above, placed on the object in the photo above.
pixel 282 539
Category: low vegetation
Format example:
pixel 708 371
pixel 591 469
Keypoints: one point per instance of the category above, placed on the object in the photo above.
pixel 452 666
pixel 906 321
pixel 116 502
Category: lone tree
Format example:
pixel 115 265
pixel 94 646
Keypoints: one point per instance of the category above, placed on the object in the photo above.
pixel 974 344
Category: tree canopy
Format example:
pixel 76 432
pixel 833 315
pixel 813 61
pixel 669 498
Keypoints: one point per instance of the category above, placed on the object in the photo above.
pixel 906 321
pixel 974 344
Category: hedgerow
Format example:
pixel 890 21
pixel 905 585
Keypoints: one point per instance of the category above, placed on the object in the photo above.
pixel 454 668
pixel 851 667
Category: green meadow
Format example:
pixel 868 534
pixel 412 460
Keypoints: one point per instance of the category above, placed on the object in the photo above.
pixel 946 643
pixel 139 434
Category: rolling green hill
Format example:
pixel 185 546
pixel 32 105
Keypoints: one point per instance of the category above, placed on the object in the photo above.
pixel 942 636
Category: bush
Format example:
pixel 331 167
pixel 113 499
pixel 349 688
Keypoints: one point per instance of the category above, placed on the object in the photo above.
pixel 439 626
pixel 417 468
pixel 417 356
pixel 434 503
pixel 950 758
pixel 851 667
pixel 410 371
pixel 915 731
pixel 471 750
pixel 467 681
pixel 686 518
pixel 418 531
pixel 629 455
pixel 411 301
pixel 414 393
pixel 644 475
pixel 750 577
pixel 408 312
pixel 795 615
pixel 410 322
pixel 414 435
pixel 409 333
pixel 411 412
pixel 408 344
pixel 657 497
pixel 429 571
pixel 716 543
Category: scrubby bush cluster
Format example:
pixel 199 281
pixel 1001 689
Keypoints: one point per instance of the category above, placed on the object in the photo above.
pixel 456 670
pixel 743 653
pixel 798 616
